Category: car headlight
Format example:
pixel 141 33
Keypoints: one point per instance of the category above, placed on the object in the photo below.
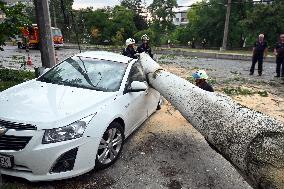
pixel 69 132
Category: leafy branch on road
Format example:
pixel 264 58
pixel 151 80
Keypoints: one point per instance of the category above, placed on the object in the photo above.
pixel 232 91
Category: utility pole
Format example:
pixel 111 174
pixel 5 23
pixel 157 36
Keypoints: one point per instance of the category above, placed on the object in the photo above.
pixel 46 39
pixel 226 29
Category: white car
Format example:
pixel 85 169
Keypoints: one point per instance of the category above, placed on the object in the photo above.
pixel 74 117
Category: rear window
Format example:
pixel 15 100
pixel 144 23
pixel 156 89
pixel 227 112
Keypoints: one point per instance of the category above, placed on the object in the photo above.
pixel 56 32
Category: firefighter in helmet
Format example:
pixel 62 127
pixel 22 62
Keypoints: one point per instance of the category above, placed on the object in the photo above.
pixel 145 47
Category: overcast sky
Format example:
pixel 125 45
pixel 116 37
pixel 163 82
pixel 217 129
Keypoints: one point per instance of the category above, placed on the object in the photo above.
pixel 103 3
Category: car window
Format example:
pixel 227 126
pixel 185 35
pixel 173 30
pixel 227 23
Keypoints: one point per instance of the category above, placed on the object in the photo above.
pixel 87 73
pixel 136 73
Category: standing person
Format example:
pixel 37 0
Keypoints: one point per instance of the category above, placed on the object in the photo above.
pixel 259 50
pixel 129 50
pixel 145 47
pixel 279 53
pixel 200 77
pixel 203 43
pixel 169 43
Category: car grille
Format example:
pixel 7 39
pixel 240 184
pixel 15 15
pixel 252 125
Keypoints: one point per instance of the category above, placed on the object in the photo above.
pixel 17 126
pixel 9 142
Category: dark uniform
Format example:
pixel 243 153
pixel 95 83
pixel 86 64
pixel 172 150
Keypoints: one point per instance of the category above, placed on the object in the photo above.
pixel 259 48
pixel 206 86
pixel 279 59
pixel 145 48
pixel 130 52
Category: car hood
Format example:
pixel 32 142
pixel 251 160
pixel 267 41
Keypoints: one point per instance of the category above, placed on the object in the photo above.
pixel 42 103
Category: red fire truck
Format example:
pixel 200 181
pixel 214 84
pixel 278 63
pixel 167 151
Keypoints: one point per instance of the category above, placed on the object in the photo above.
pixel 30 37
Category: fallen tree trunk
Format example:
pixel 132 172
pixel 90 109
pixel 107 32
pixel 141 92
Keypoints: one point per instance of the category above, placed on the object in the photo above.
pixel 251 141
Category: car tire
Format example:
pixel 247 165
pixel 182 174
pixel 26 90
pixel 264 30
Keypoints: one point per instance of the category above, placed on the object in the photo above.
pixel 110 146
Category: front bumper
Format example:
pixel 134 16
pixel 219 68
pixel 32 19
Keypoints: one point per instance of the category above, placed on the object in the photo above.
pixel 36 160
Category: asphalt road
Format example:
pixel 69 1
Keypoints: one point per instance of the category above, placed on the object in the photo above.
pixel 165 152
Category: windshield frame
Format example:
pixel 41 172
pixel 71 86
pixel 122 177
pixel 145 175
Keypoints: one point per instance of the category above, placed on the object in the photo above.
pixel 40 78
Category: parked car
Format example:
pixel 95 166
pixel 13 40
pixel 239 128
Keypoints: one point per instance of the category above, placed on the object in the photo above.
pixel 74 117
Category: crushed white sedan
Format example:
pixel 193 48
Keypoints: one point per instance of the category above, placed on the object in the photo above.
pixel 73 118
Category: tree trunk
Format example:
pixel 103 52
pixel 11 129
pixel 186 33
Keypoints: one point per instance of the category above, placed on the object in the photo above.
pixel 226 28
pixel 250 140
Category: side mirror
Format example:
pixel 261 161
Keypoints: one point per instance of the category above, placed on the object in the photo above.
pixel 137 86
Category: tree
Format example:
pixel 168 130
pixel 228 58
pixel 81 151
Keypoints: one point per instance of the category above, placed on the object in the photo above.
pixel 63 12
pixel 134 5
pixel 14 19
pixel 102 26
pixel 118 38
pixel 96 26
pixel 137 8
pixel 207 19
pixel 267 19
pixel 207 22
pixel 122 20
pixel 162 13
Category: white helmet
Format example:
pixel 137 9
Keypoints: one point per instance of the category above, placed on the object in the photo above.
pixel 145 37
pixel 129 41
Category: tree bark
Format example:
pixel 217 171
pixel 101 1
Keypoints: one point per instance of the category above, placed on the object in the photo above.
pixel 250 140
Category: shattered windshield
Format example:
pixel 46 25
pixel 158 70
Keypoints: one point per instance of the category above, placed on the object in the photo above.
pixel 101 75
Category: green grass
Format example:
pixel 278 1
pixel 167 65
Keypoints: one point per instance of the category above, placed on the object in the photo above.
pixel 212 81
pixel 9 78
pixel 233 91
pixel 236 73
pixel 263 93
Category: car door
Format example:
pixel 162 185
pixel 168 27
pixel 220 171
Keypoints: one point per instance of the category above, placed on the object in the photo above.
pixel 151 100
pixel 136 109
pixel 152 96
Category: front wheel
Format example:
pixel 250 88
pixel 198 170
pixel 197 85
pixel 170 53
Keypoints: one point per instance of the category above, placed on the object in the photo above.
pixel 110 146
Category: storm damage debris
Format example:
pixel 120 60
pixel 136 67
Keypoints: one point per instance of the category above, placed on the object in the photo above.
pixel 250 140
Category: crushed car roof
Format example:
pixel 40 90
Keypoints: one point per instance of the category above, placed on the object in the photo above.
pixel 105 55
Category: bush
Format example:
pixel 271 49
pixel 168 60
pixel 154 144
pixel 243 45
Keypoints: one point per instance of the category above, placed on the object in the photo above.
pixel 9 78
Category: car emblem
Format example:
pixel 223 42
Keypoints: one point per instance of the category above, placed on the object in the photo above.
pixel 2 130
